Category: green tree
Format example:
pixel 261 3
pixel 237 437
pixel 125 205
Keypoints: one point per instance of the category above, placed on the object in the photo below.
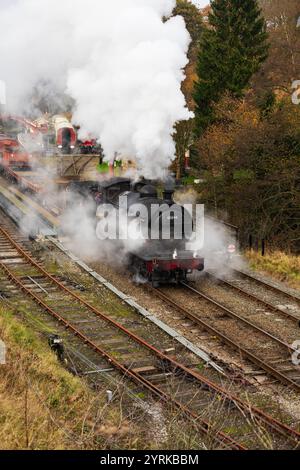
pixel 231 51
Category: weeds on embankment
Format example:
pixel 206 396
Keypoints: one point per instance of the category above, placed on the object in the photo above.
pixel 282 266
pixel 43 406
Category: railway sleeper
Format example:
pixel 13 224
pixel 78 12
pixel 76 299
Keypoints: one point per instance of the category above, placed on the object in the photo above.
pixel 141 362
pixel 144 370
pixel 159 378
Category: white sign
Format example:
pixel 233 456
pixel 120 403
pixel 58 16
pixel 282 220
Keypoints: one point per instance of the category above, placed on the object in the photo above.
pixel 2 93
pixel 2 353
pixel 296 94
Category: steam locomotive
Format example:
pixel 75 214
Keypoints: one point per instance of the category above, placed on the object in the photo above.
pixel 162 256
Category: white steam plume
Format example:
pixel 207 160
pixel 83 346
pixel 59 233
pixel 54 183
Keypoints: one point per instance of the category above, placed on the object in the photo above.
pixel 120 60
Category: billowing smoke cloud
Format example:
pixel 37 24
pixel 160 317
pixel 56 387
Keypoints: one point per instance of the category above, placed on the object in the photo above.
pixel 121 61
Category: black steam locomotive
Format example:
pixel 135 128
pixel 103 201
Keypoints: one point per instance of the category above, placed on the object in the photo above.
pixel 161 256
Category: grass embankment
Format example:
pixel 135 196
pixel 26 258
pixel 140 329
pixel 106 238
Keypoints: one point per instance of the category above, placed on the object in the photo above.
pixel 281 266
pixel 43 406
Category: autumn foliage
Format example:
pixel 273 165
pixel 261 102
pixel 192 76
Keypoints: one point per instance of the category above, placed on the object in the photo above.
pixel 248 156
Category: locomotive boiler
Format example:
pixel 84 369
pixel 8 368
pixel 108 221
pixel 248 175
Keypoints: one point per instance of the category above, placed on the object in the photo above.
pixel 161 254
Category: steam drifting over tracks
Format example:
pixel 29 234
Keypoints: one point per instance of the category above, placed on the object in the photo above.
pixel 252 342
pixel 128 343
pixel 163 376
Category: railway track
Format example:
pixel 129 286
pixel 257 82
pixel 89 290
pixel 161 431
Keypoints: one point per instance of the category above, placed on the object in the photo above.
pixel 251 341
pixel 223 418
pixel 245 280
pixel 236 286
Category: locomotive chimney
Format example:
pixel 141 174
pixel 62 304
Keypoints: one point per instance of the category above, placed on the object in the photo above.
pixel 169 191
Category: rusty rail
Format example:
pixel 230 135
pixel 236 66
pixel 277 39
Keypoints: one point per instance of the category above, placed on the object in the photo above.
pixel 244 352
pixel 204 426
pixel 255 298
pixel 268 285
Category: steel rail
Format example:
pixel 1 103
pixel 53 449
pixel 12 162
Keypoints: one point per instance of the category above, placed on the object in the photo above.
pixel 277 425
pixel 234 315
pixel 291 349
pixel 203 425
pixel 266 284
pixel 197 320
pixel 255 298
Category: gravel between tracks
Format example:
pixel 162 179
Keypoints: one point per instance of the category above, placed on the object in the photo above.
pixel 275 322
pixel 288 399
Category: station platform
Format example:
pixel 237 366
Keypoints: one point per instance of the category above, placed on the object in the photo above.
pixel 21 209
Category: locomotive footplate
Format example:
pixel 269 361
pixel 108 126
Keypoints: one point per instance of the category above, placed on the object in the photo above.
pixel 171 264
pixel 168 267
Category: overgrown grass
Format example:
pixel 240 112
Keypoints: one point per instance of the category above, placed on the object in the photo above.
pixel 281 266
pixel 43 406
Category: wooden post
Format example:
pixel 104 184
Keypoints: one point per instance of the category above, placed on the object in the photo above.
pixel 250 242
pixel 263 247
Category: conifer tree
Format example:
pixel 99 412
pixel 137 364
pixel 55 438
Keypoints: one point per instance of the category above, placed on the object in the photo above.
pixel 232 49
